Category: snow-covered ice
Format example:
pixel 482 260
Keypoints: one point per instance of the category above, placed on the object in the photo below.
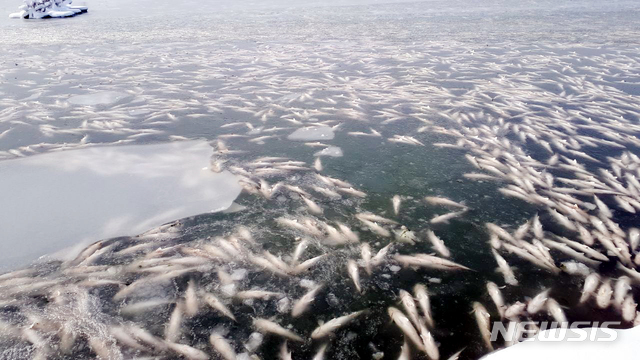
pixel 57 200
pixel 332 151
pixel 99 98
pixel 312 133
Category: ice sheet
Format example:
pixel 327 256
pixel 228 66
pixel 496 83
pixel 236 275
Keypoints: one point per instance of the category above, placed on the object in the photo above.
pixel 312 133
pixel 56 200
pixel 332 151
pixel 99 98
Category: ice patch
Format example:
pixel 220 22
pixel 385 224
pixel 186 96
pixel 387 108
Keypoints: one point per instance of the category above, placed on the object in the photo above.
pixel 312 133
pixel 239 274
pixel 333 151
pixel 99 98
pixel 57 200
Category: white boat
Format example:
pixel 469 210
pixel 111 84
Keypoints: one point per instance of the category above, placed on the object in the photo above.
pixel 40 9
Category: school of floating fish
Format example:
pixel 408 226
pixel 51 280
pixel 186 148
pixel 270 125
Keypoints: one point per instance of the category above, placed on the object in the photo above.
pixel 550 126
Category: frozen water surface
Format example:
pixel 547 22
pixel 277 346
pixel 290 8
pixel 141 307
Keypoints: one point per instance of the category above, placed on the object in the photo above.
pixel 332 151
pixel 312 133
pixel 100 98
pixel 62 199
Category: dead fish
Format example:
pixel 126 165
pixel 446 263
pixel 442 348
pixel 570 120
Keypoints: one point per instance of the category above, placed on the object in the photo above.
pixel 446 217
pixel 307 264
pixel 257 294
pixel 352 269
pixel 266 326
pixel 531 258
pixel 295 225
pixel 404 235
pixel 515 310
pixel 584 248
pixel 172 330
pixel 591 283
pixel 505 269
pixel 556 312
pixel 429 343
pixel 482 318
pixel 297 190
pixel 569 251
pixel 585 235
pixel 502 233
pixel 191 304
pixel 118 332
pixel 410 307
pixel 86 253
pixel 522 231
pixel 495 242
pixel 537 303
pixel 143 306
pixel 429 261
pixel 436 200
pixel 321 352
pixel 624 204
pixel 396 201
pixel 405 140
pixel 334 236
pixel 188 351
pixel 277 262
pixel 303 303
pixel 285 354
pixel 405 325
pixel 405 351
pixel 438 244
pixel 348 233
pixel 563 220
pixel 628 308
pixel 496 296
pixel 602 207
pixel 634 238
pixel 421 294
pixel 216 304
pixel 622 287
pixel 456 356
pixel 381 255
pixel 365 251
pixel 575 268
pixel 222 346
pixel 312 206
pixel 537 227
pixel 300 248
pixel 329 328
pixel 376 228
pixel 603 296
pixel 352 191
pixel 145 337
pixel 268 265
pixel 103 348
